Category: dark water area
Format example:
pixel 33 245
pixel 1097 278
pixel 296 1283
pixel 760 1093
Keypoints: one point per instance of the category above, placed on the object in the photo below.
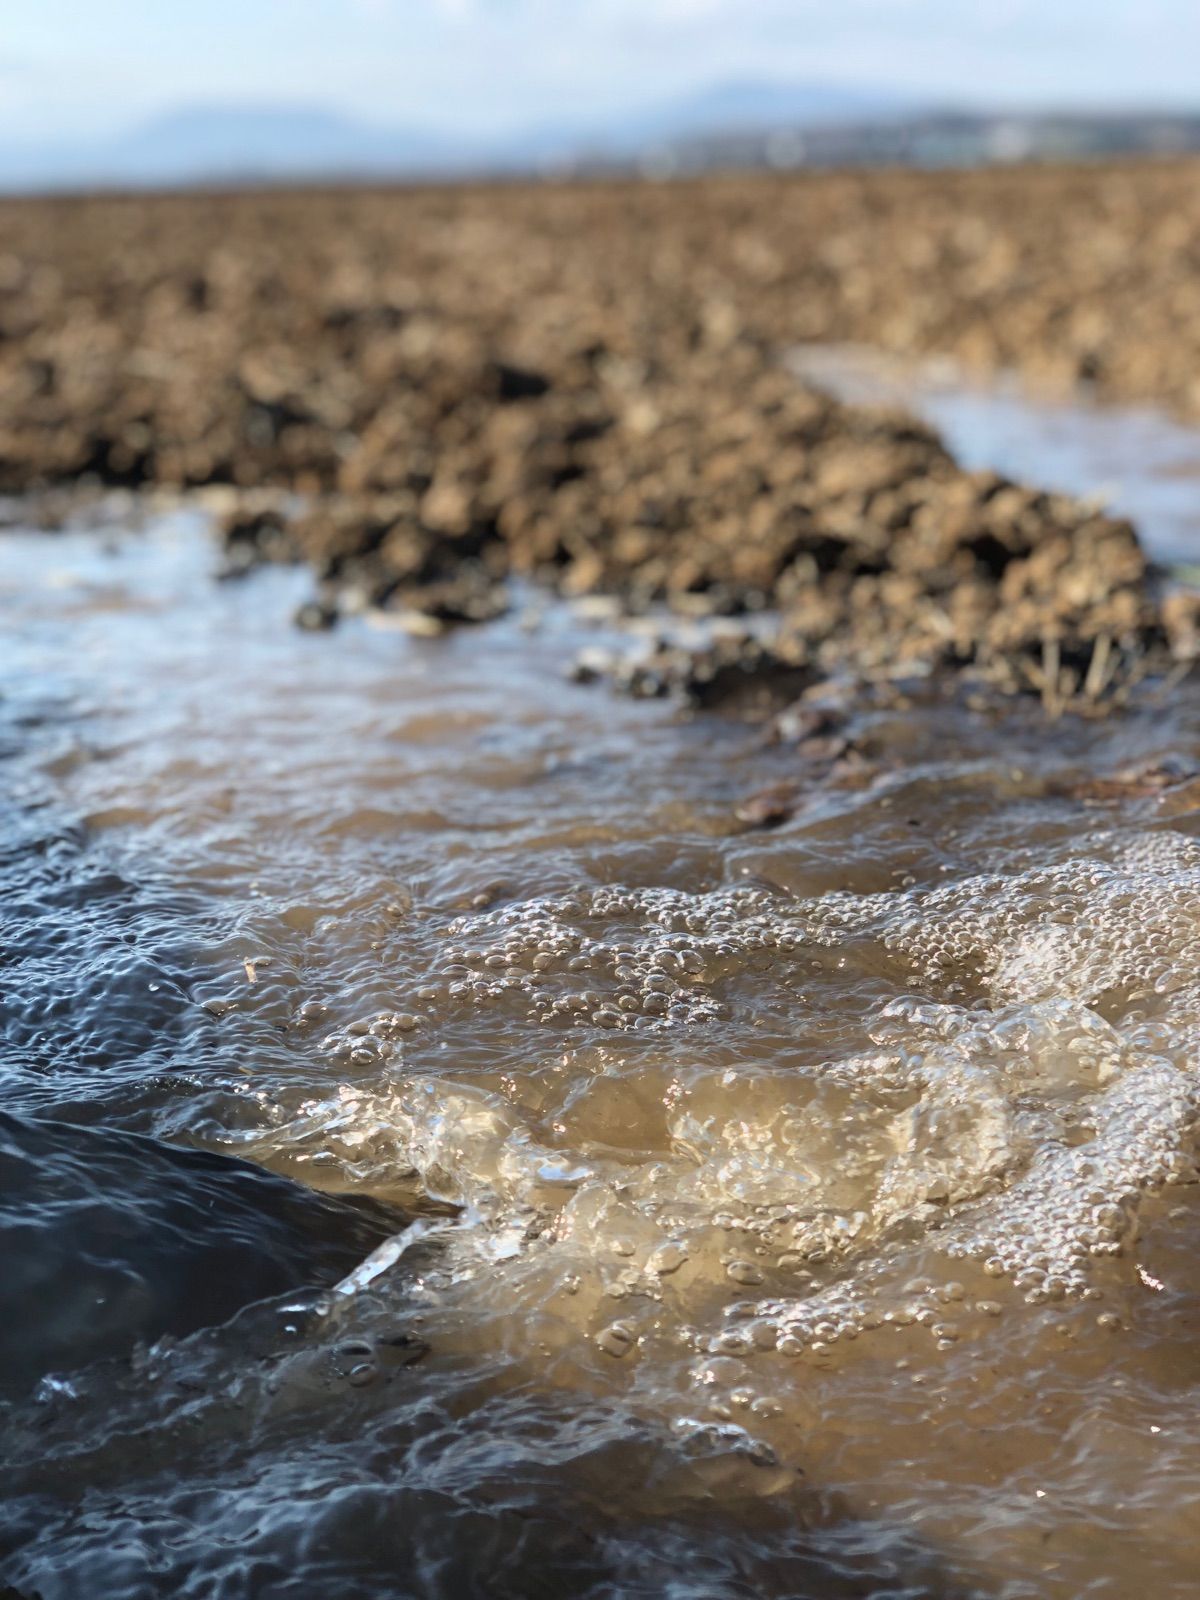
pixel 114 1237
pixel 446 1152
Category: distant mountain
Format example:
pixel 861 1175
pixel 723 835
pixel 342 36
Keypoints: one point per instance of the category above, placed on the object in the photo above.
pixel 737 106
pixel 241 143
pixel 275 141
pixel 230 143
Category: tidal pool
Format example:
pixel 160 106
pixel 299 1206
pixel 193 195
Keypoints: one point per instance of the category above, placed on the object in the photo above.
pixel 446 1153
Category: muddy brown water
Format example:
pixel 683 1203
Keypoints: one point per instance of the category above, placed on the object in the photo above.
pixel 443 1154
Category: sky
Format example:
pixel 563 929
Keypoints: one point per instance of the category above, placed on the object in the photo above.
pixel 80 67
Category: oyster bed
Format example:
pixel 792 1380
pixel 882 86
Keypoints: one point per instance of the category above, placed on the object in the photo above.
pixel 588 386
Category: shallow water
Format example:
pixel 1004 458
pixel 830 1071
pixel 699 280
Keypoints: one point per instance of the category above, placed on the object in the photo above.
pixel 1139 462
pixel 596 1198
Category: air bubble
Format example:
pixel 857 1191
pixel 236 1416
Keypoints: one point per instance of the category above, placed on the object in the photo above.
pixel 667 1258
pixel 617 1340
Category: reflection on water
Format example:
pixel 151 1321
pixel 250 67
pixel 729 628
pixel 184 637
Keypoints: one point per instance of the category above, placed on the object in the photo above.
pixel 447 1154
pixel 1139 462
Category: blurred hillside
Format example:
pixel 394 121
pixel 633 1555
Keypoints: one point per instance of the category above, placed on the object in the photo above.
pixel 735 124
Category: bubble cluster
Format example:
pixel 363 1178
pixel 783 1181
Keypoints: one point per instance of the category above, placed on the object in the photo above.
pixel 614 957
pixel 1114 922
pixel 1019 1075
pixel 1044 1110
pixel 1077 1202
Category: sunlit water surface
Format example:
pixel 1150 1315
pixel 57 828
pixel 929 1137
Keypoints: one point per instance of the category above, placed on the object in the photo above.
pixel 446 1154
